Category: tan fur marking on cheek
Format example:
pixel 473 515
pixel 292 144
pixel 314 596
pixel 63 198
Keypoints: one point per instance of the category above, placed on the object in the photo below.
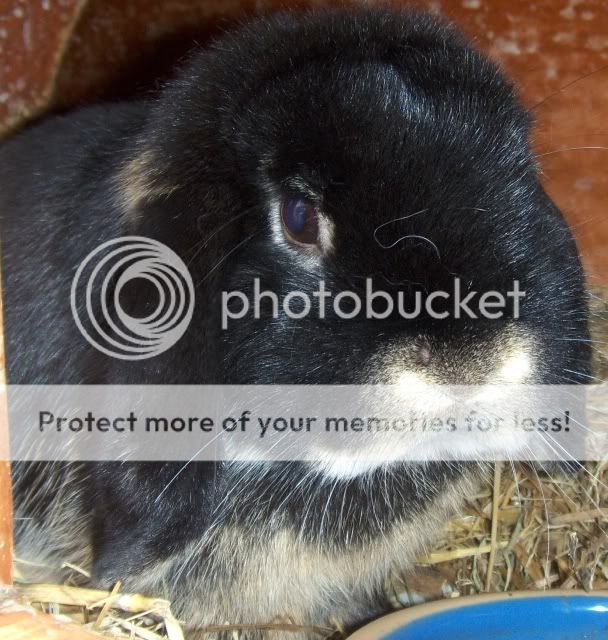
pixel 140 181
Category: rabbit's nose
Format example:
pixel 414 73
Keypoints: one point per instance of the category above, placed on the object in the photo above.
pixel 423 355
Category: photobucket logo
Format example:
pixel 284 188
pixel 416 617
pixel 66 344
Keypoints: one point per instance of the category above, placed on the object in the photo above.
pixel 376 305
pixel 103 277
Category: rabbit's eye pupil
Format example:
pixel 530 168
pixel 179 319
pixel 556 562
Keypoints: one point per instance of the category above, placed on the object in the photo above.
pixel 300 222
pixel 295 216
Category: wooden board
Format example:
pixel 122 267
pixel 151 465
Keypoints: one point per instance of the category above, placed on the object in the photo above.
pixel 20 622
pixel 6 505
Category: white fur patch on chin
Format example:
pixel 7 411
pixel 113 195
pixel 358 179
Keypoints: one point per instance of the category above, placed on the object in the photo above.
pixel 345 467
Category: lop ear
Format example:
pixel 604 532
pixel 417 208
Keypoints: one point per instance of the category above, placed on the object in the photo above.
pixel 142 180
pixel 180 198
pixel 197 217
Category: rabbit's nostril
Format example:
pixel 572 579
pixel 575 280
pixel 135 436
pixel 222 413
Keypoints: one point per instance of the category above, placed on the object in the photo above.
pixel 423 356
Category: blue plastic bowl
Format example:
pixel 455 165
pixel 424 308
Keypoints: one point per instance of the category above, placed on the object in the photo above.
pixel 564 615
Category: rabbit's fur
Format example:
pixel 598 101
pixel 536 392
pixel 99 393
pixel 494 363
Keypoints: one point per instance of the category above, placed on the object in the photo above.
pixel 378 114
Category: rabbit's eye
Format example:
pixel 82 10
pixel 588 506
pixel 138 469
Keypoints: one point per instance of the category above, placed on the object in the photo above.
pixel 300 221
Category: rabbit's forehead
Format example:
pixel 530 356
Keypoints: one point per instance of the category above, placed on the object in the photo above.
pixel 348 101
pixel 371 86
pixel 366 131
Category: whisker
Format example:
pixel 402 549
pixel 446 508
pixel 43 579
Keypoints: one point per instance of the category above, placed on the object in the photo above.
pixel 568 85
pixel 570 457
pixel 423 238
pixel 406 237
pixel 227 255
pixel 205 242
pixel 580 340
pixel 550 153
pixel 584 375
pixel 410 215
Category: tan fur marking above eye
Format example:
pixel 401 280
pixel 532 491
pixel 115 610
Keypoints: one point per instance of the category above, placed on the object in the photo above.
pixel 140 180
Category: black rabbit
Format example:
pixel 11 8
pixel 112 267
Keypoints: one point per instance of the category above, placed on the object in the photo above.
pixel 280 153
